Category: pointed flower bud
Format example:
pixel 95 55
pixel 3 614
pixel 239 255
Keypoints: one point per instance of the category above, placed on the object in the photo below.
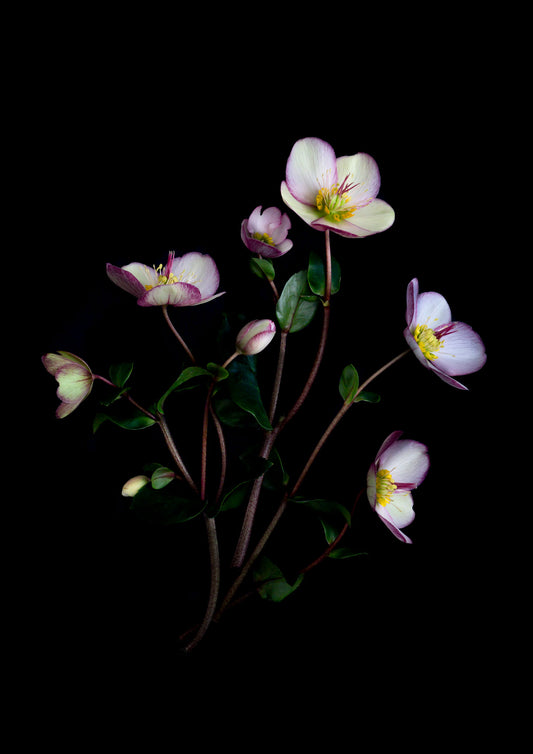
pixel 255 336
pixel 133 485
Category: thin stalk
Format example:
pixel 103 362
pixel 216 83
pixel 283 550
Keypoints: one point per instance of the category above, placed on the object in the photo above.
pixel 214 559
pixel 174 452
pixel 177 335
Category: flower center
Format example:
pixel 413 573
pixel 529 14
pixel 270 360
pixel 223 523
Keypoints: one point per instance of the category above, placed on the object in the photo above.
pixel 335 201
pixel 428 341
pixel 384 486
pixel 264 237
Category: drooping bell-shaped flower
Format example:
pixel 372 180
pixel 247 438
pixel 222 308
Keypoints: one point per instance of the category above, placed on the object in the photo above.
pixel 266 233
pixel 447 348
pixel 184 281
pixel 399 467
pixel 74 377
pixel 335 193
pixel 255 336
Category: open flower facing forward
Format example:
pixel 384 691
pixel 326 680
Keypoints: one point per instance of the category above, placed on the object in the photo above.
pixel 399 467
pixel 266 233
pixel 184 281
pixel 333 193
pixel 74 377
pixel 447 348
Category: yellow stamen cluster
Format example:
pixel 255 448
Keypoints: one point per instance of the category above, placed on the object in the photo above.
pixel 333 202
pixel 428 341
pixel 384 486
pixel 163 279
pixel 264 237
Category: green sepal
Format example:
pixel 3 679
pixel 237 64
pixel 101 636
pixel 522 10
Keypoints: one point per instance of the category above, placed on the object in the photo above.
pixel 263 268
pixel 161 476
pixel 349 383
pixel 316 274
pixel 119 374
pixel 294 310
pixel 270 581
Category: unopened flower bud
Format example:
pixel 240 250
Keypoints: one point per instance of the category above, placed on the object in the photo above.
pixel 255 336
pixel 133 485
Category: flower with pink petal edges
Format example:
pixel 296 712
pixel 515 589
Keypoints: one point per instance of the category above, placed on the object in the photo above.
pixel 184 281
pixel 266 233
pixel 399 467
pixel 335 193
pixel 447 348
pixel 74 377
pixel 255 336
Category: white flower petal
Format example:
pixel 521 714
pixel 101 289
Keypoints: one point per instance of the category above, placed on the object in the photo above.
pixel 308 213
pixel 361 169
pixel 407 461
pixel 462 351
pixel 199 270
pixel 432 310
pixel 311 166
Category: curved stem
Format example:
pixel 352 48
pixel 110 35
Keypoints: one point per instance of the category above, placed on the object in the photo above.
pixel 177 335
pixel 174 452
pixel 214 559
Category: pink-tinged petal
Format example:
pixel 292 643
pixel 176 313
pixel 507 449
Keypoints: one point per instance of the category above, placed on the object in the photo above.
pixel 199 270
pixel 395 530
pixel 412 296
pixel 209 298
pixel 126 277
pixel 260 247
pixel 362 177
pixel 64 409
pixel 366 221
pixel 53 362
pixel 432 310
pixel 75 383
pixel 407 461
pixel 400 509
pixel 255 336
pixel 174 294
pixel 409 337
pixel 308 213
pixel 254 221
pixel 390 440
pixel 371 485
pixel 446 378
pixel 462 350
pixel 311 166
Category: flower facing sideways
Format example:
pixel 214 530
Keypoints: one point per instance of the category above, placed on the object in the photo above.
pixel 335 193
pixel 255 336
pixel 184 281
pixel 447 348
pixel 399 467
pixel 266 233
pixel 74 377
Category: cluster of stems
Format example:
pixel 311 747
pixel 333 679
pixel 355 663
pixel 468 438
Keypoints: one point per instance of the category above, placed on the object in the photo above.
pixel 243 559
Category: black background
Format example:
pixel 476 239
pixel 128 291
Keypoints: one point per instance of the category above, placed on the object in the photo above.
pixel 127 154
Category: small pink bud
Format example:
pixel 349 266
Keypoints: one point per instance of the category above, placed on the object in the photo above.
pixel 255 336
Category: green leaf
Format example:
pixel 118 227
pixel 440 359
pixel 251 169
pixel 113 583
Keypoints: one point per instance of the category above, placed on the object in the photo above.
pixel 293 311
pixel 368 397
pixel 263 268
pixel 188 374
pixel 119 374
pixel 218 373
pixel 342 553
pixel 165 506
pixel 324 506
pixel 161 477
pixel 348 384
pixel 243 390
pixel 137 421
pixel 236 496
pixel 316 274
pixel 271 583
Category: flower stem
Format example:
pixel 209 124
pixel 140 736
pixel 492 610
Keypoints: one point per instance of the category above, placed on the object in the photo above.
pixel 174 452
pixel 176 333
pixel 214 559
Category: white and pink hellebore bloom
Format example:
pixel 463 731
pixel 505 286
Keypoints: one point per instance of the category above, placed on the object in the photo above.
pixel 184 281
pixel 447 348
pixel 255 336
pixel 399 467
pixel 74 377
pixel 335 193
pixel 266 234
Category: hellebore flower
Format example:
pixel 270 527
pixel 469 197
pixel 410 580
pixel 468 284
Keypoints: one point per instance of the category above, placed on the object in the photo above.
pixel 184 281
pixel 447 348
pixel 399 467
pixel 74 377
pixel 266 234
pixel 255 336
pixel 335 193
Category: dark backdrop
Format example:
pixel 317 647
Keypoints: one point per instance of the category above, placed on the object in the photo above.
pixel 125 166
